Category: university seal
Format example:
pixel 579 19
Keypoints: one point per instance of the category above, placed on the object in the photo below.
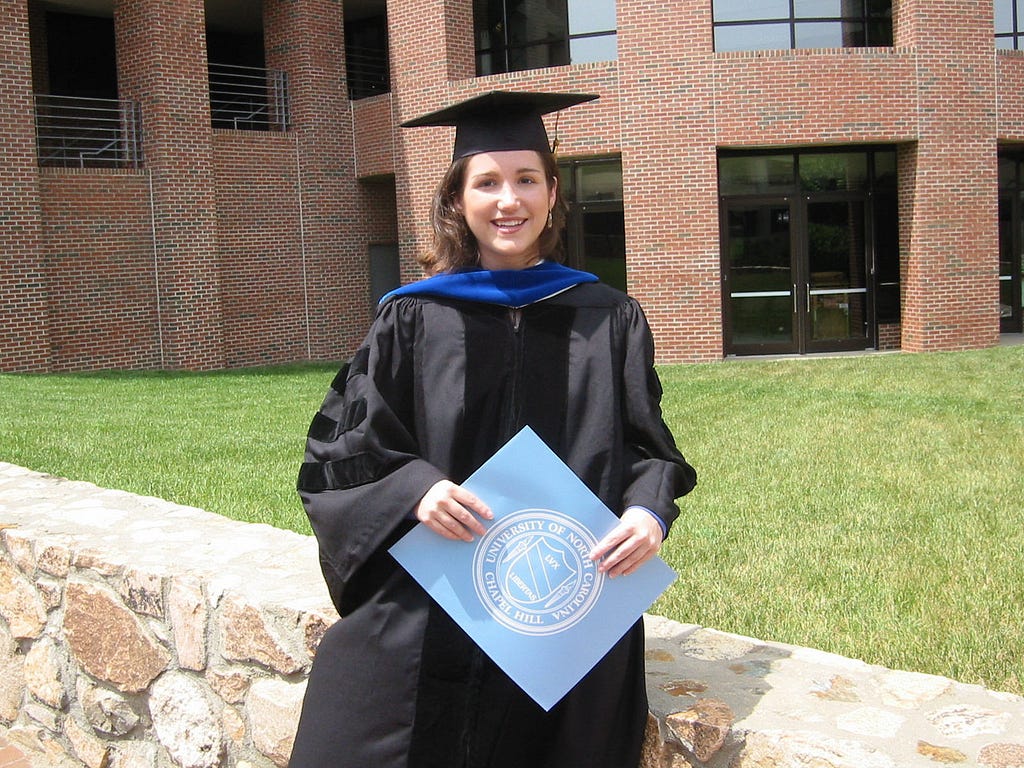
pixel 533 573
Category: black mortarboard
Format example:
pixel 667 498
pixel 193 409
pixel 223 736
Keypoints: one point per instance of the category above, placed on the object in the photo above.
pixel 500 120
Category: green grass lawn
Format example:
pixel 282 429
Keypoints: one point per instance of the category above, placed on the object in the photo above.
pixel 872 506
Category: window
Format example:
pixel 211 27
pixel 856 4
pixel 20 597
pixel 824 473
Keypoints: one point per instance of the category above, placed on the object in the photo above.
pixel 810 249
pixel 515 35
pixel 743 25
pixel 1010 24
pixel 596 229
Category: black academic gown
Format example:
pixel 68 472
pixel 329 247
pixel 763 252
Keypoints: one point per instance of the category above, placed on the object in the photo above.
pixel 437 387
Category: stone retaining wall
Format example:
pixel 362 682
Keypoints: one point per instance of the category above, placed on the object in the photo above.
pixel 135 633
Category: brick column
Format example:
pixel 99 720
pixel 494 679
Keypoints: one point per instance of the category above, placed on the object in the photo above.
pixel 307 40
pixel 161 59
pixel 669 171
pixel 24 344
pixel 948 180
pixel 431 45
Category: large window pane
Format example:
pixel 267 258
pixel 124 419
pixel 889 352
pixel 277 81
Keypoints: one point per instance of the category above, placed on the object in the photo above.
pixel 772 24
pixel 843 171
pixel 885 171
pixel 586 49
pixel 753 37
pixel 754 175
pixel 515 35
pixel 591 16
pixel 1004 15
pixel 532 22
pixel 818 9
pixel 822 34
pixel 750 10
pixel 600 181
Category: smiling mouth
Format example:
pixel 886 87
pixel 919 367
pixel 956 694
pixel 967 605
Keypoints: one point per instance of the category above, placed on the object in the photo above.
pixel 509 223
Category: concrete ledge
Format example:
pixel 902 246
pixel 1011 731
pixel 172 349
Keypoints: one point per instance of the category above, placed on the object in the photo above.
pixel 136 633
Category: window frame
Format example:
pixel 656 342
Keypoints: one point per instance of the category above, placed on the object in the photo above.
pixel 1015 35
pixel 503 55
pixel 868 19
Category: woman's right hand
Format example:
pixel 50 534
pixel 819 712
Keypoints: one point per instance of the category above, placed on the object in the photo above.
pixel 453 512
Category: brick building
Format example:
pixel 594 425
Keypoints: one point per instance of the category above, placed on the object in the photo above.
pixel 202 186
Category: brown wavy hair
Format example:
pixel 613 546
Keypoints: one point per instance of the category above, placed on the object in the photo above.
pixel 455 246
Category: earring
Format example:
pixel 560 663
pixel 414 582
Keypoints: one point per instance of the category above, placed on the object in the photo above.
pixel 551 220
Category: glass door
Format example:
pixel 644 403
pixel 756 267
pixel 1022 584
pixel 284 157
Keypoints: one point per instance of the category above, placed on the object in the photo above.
pixel 835 294
pixel 795 276
pixel 758 277
pixel 1011 265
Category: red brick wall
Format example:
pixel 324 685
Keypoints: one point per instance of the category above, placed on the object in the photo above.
pixel 233 260
pixel 776 98
pixel 1010 80
pixel 260 248
pixel 948 181
pixel 306 40
pixel 99 270
pixel 670 175
pixel 23 342
pixel 161 62
pixel 372 132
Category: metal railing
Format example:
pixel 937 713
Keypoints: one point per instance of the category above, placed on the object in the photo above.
pixel 367 71
pixel 76 132
pixel 248 98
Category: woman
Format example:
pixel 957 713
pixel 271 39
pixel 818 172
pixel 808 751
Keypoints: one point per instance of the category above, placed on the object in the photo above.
pixel 501 337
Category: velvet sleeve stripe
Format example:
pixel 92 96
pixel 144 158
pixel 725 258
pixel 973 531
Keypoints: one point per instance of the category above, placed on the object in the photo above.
pixel 351 472
pixel 322 428
pixel 325 429
pixel 341 380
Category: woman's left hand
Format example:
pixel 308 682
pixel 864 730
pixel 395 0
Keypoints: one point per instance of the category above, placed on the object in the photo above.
pixel 630 544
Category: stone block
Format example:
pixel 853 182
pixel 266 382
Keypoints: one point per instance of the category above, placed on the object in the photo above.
pixel 273 707
pixel 186 721
pixel 248 636
pixel 44 673
pixel 106 711
pixel 188 616
pixel 20 604
pixel 12 677
pixel 143 592
pixel 109 641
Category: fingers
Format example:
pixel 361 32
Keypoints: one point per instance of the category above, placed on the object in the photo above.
pixel 453 512
pixel 634 541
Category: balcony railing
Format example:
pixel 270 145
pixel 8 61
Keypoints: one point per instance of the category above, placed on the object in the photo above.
pixel 368 73
pixel 75 132
pixel 248 98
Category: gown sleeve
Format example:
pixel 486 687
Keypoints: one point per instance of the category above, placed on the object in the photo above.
pixel 656 472
pixel 362 474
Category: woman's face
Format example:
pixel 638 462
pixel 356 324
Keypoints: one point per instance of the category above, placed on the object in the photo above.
pixel 505 199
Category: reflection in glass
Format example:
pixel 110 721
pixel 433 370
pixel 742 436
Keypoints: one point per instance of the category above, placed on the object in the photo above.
pixel 750 10
pixel 604 246
pixel 830 34
pixel 587 49
pixel 749 174
pixel 761 300
pixel 1004 15
pixel 591 16
pixel 759 37
pixel 818 9
pixel 839 171
pixel 836 262
pixel 600 181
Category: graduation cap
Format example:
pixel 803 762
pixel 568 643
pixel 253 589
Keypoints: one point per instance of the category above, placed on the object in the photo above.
pixel 500 120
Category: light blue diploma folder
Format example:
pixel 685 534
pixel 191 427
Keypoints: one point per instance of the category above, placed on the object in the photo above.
pixel 527 592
